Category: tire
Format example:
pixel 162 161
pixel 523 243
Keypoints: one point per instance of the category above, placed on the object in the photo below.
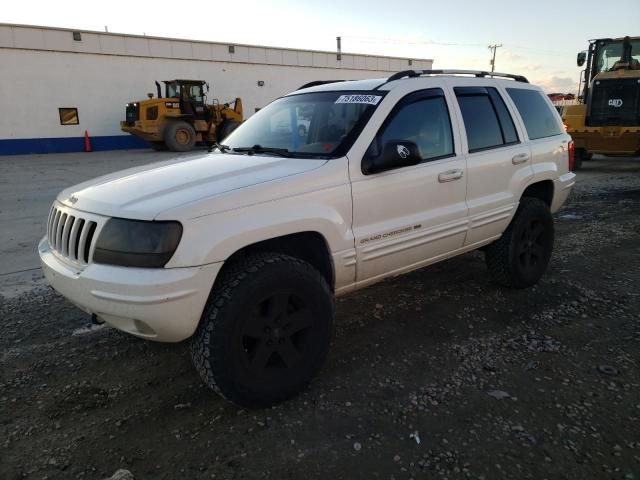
pixel 580 156
pixel 225 129
pixel 158 146
pixel 577 163
pixel 302 131
pixel 265 331
pixel 179 136
pixel 520 257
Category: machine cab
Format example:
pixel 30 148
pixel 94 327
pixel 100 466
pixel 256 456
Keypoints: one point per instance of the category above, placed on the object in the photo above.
pixel 191 96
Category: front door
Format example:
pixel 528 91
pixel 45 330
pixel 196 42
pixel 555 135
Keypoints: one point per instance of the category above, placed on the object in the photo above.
pixel 407 217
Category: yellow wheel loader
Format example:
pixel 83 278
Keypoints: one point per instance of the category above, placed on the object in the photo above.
pixel 607 118
pixel 182 117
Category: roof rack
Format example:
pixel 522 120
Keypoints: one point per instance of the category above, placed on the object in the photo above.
pixel 477 73
pixel 315 83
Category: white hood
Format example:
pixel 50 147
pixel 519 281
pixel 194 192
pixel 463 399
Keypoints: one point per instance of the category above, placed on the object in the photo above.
pixel 145 192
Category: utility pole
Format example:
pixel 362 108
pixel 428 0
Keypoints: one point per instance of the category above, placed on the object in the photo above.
pixel 493 57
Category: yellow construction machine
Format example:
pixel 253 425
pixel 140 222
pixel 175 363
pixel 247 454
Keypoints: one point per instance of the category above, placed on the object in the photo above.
pixel 182 117
pixel 606 119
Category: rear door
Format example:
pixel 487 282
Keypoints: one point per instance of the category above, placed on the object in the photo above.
pixel 498 160
pixel 406 217
pixel 547 138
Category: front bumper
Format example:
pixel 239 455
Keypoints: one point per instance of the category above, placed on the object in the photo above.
pixel 150 133
pixel 561 190
pixel 164 305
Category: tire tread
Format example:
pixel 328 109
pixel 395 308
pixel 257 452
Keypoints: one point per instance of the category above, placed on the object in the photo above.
pixel 498 255
pixel 202 346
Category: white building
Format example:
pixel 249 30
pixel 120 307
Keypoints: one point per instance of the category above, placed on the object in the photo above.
pixel 47 69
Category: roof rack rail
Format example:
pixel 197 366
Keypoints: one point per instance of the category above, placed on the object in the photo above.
pixel 477 73
pixel 315 83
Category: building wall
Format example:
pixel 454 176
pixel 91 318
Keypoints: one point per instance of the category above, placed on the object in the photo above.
pixel 45 69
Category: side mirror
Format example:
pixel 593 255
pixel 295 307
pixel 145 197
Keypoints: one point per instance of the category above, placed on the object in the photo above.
pixel 395 154
pixel 582 57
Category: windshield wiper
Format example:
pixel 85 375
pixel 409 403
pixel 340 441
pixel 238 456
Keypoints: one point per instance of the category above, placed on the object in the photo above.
pixel 222 148
pixel 283 152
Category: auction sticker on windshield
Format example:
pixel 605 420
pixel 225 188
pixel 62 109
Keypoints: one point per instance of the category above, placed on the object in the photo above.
pixel 368 99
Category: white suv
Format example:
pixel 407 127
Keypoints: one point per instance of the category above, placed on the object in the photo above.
pixel 244 249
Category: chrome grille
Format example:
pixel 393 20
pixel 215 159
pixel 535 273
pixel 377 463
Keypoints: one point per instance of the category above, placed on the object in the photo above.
pixel 71 234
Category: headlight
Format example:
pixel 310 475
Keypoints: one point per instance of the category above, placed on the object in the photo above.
pixel 137 243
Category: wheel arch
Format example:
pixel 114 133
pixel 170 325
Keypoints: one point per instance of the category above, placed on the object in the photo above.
pixel 543 190
pixel 310 246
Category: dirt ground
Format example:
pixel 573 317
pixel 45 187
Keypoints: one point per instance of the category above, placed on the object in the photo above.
pixel 437 374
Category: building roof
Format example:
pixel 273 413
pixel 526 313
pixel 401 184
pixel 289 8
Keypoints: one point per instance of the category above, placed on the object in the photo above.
pixel 31 37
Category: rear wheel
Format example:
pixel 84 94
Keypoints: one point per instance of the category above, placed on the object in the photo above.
pixel 179 136
pixel 581 155
pixel 265 331
pixel 225 129
pixel 520 257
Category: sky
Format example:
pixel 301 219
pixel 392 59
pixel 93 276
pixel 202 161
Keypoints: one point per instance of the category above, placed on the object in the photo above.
pixel 540 39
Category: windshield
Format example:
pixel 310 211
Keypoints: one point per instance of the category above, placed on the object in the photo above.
pixel 322 125
pixel 185 91
pixel 173 89
pixel 608 54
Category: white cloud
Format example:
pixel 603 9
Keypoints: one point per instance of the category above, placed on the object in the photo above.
pixel 510 56
pixel 557 84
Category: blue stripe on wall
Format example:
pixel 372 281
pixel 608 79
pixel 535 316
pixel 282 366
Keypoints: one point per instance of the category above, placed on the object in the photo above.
pixel 70 144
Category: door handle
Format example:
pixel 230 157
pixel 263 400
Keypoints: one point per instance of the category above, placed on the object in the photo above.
pixel 450 176
pixel 520 158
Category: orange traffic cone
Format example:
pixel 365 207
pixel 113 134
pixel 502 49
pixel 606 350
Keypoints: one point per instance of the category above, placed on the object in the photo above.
pixel 87 142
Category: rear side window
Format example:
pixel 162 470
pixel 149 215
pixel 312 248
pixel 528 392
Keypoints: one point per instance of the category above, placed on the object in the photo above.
pixel 539 119
pixel 486 119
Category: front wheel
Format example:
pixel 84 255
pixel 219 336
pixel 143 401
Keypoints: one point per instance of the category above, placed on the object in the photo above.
pixel 179 136
pixel 265 331
pixel 520 257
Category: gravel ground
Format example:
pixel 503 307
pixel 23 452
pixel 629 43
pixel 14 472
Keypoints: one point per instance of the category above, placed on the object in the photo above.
pixel 437 374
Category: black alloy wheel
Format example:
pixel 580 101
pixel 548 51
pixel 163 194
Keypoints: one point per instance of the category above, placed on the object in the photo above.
pixel 265 331
pixel 274 334
pixel 533 245
pixel 520 257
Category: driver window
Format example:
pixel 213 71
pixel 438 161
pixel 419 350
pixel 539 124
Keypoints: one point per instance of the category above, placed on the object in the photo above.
pixel 196 93
pixel 424 122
